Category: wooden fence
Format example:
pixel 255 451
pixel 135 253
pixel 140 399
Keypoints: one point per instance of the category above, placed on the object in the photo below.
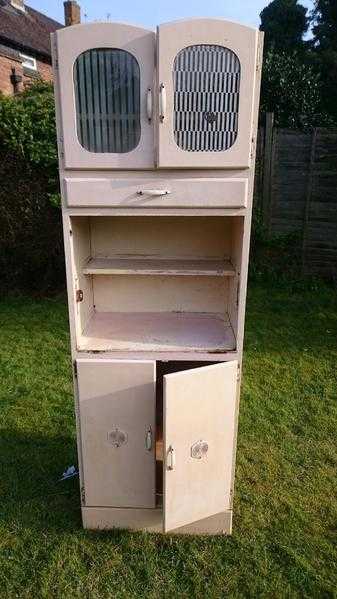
pixel 296 190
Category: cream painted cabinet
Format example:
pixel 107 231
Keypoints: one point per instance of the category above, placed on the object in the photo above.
pixel 156 135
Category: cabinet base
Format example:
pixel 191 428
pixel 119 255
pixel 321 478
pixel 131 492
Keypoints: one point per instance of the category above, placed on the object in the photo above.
pixel 101 518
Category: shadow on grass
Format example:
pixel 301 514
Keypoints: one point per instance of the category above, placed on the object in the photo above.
pixel 31 494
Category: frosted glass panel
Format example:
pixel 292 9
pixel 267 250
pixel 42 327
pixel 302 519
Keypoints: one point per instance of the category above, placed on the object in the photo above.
pixel 206 81
pixel 107 95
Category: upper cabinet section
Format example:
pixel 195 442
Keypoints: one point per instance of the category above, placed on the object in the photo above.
pixel 105 81
pixel 207 78
pixel 191 107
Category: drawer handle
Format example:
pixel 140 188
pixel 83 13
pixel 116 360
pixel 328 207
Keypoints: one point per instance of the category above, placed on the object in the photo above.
pixel 153 192
pixel 162 102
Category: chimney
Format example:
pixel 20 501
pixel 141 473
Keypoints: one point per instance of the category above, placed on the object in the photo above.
pixel 18 4
pixel 72 13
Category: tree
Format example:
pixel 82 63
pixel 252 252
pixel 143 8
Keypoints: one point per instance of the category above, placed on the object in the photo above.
pixel 291 88
pixel 325 25
pixel 324 20
pixel 284 22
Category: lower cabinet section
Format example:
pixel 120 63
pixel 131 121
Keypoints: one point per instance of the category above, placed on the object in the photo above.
pixel 156 451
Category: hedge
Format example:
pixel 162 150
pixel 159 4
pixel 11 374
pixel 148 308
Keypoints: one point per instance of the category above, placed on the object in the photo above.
pixel 31 247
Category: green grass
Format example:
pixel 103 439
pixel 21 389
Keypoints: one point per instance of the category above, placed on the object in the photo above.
pixel 285 527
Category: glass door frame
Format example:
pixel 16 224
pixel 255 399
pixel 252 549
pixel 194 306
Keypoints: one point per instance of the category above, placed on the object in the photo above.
pixel 243 41
pixel 68 45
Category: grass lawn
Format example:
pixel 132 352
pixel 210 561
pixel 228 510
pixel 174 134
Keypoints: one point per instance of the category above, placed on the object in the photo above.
pixel 285 527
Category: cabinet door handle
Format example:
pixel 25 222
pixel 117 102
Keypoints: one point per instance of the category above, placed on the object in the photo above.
pixel 148 439
pixel 171 458
pixel 149 104
pixel 162 102
pixel 153 192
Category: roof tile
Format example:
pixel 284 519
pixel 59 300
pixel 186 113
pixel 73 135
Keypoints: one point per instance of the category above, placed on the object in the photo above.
pixel 29 30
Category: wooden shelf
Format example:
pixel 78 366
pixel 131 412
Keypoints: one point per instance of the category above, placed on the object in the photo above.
pixel 158 266
pixel 158 331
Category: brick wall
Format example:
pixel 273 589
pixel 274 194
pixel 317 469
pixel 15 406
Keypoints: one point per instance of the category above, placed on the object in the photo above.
pixel 7 62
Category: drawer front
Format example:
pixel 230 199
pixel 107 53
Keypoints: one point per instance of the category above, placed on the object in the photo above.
pixel 156 193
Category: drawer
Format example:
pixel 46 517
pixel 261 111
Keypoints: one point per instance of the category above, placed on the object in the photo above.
pixel 156 193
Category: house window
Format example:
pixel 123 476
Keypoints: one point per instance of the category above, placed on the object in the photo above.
pixel 28 62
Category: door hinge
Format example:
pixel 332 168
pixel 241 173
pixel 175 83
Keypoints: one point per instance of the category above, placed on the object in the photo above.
pixel 56 60
pixel 252 148
pixel 83 495
pixel 75 368
pixel 231 497
pixel 238 292
pixel 79 295
pixel 259 57
pixel 61 147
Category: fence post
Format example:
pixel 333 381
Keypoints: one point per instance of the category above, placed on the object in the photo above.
pixel 308 198
pixel 267 168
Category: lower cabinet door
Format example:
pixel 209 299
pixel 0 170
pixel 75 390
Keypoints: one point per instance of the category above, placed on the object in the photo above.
pixel 199 428
pixel 117 431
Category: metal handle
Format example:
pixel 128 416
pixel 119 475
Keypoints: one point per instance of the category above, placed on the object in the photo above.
pixel 171 458
pixel 149 104
pixel 148 439
pixel 153 192
pixel 162 102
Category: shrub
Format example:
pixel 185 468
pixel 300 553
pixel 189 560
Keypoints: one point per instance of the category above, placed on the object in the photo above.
pixel 31 248
pixel 291 88
pixel 27 125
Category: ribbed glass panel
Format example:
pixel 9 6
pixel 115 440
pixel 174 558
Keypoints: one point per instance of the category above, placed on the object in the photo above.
pixel 206 83
pixel 107 95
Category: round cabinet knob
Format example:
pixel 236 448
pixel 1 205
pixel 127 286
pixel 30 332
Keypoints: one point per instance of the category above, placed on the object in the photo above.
pixel 117 437
pixel 199 449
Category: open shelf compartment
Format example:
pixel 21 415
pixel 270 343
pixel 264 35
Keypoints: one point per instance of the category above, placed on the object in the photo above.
pixel 158 332
pixel 170 284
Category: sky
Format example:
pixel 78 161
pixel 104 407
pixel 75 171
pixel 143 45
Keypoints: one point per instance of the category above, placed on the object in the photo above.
pixel 150 13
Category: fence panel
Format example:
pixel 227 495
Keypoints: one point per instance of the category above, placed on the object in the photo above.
pixel 296 189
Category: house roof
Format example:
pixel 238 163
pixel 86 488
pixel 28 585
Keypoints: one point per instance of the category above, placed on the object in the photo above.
pixel 27 31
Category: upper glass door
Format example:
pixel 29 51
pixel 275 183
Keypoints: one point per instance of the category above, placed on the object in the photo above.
pixel 106 74
pixel 206 78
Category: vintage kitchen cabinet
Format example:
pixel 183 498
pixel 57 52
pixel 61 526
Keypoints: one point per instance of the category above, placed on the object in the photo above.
pixel 157 136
